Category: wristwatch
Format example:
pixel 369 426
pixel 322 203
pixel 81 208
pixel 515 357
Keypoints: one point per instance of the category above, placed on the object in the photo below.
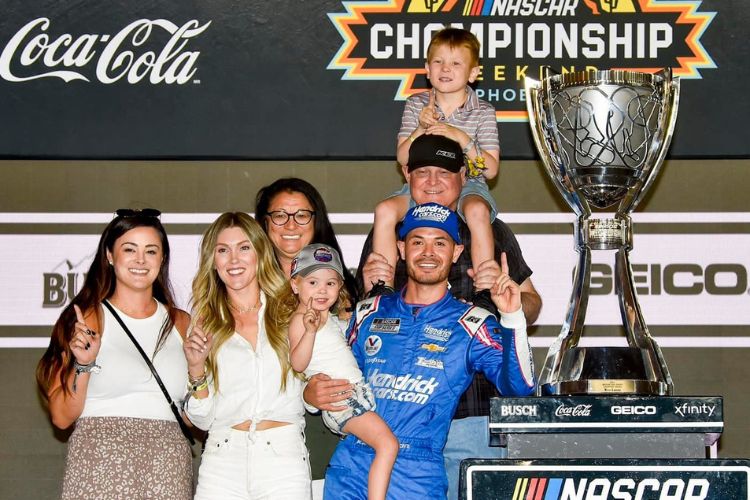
pixel 468 146
pixel 89 368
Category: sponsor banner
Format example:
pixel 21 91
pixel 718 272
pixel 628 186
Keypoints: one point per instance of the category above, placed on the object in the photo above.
pixel 604 479
pixel 681 279
pixel 607 414
pixel 328 79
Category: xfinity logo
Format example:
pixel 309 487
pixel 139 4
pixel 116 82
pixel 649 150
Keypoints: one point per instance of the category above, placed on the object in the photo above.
pixel 31 52
pixel 518 410
pixel 688 409
pixel 573 411
pixel 675 279
pixel 633 410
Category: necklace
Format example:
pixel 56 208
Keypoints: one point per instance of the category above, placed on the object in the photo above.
pixel 243 310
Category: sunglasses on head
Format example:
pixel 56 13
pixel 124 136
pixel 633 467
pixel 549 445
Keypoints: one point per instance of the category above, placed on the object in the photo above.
pixel 138 212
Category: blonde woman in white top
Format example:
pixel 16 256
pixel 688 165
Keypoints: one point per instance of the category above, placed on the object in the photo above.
pixel 126 443
pixel 243 390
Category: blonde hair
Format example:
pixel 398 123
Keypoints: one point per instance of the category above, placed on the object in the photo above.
pixel 455 38
pixel 289 302
pixel 211 303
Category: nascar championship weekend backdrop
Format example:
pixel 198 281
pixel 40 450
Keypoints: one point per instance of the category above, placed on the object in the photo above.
pixel 191 108
pixel 327 79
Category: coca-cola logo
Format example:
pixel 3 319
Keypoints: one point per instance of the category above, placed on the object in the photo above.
pixel 32 52
pixel 573 411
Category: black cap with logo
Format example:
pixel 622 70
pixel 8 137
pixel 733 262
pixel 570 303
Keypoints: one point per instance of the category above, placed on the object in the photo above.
pixel 430 150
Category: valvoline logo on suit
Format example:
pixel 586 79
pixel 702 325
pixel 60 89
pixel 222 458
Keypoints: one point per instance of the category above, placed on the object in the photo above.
pixel 373 343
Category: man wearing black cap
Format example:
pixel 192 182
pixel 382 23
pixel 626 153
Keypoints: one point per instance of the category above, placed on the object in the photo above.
pixel 433 182
pixel 419 349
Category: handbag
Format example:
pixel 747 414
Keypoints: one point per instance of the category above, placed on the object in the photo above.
pixel 183 425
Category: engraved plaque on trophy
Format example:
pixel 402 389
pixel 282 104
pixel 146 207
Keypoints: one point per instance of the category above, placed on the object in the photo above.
pixel 602 136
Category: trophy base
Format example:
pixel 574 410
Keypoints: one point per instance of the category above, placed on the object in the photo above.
pixel 607 370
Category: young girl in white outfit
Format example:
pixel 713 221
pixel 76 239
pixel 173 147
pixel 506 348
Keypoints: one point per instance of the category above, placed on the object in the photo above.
pixel 318 346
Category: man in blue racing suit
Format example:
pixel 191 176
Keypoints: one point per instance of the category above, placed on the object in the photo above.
pixel 419 350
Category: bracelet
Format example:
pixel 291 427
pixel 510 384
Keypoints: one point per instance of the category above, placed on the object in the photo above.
pixel 197 380
pixel 197 388
pixel 197 384
pixel 89 368
pixel 79 368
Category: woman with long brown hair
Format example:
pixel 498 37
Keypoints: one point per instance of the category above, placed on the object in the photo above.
pixel 244 391
pixel 126 443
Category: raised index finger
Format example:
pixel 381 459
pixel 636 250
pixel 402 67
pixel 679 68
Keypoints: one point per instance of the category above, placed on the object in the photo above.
pixel 79 314
pixel 504 264
pixel 309 304
pixel 431 103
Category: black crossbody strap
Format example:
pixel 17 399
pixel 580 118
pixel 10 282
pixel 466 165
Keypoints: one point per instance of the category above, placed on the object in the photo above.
pixel 176 412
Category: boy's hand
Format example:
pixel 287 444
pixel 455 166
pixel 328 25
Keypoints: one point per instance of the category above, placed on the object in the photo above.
pixel 449 131
pixel 376 269
pixel 429 115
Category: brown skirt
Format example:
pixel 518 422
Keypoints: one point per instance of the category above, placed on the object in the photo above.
pixel 128 458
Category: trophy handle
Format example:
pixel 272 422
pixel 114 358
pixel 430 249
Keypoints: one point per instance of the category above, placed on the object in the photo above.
pixel 549 150
pixel 661 142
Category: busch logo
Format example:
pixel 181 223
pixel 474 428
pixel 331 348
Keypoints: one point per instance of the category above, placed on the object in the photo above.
pixel 518 410
pixel 64 282
pixel 573 411
pixel 116 61
pixel 696 409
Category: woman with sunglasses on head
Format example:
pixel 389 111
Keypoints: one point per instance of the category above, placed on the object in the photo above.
pixel 244 391
pixel 127 442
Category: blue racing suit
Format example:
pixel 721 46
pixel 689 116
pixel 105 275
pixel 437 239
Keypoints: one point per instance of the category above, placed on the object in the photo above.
pixel 419 360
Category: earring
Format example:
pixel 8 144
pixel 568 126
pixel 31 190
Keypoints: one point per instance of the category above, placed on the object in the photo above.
pixel 110 263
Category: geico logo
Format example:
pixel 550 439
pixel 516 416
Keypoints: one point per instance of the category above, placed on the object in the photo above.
pixel 633 410
pixel 631 489
pixel 518 410
pixel 675 279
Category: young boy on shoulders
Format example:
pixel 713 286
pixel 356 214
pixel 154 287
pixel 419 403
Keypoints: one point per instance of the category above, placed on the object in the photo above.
pixel 452 109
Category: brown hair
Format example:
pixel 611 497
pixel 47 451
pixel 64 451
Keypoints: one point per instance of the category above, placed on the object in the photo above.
pixel 455 38
pixel 99 284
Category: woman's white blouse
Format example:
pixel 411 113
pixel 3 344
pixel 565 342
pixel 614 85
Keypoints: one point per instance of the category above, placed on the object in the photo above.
pixel 249 386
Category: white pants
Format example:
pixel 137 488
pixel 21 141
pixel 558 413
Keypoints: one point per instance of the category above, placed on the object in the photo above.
pixel 269 464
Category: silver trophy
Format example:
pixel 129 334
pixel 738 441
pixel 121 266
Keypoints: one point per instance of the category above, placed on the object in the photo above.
pixel 602 136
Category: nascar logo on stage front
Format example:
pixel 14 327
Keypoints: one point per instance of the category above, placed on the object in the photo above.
pixel 607 479
pixel 388 40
